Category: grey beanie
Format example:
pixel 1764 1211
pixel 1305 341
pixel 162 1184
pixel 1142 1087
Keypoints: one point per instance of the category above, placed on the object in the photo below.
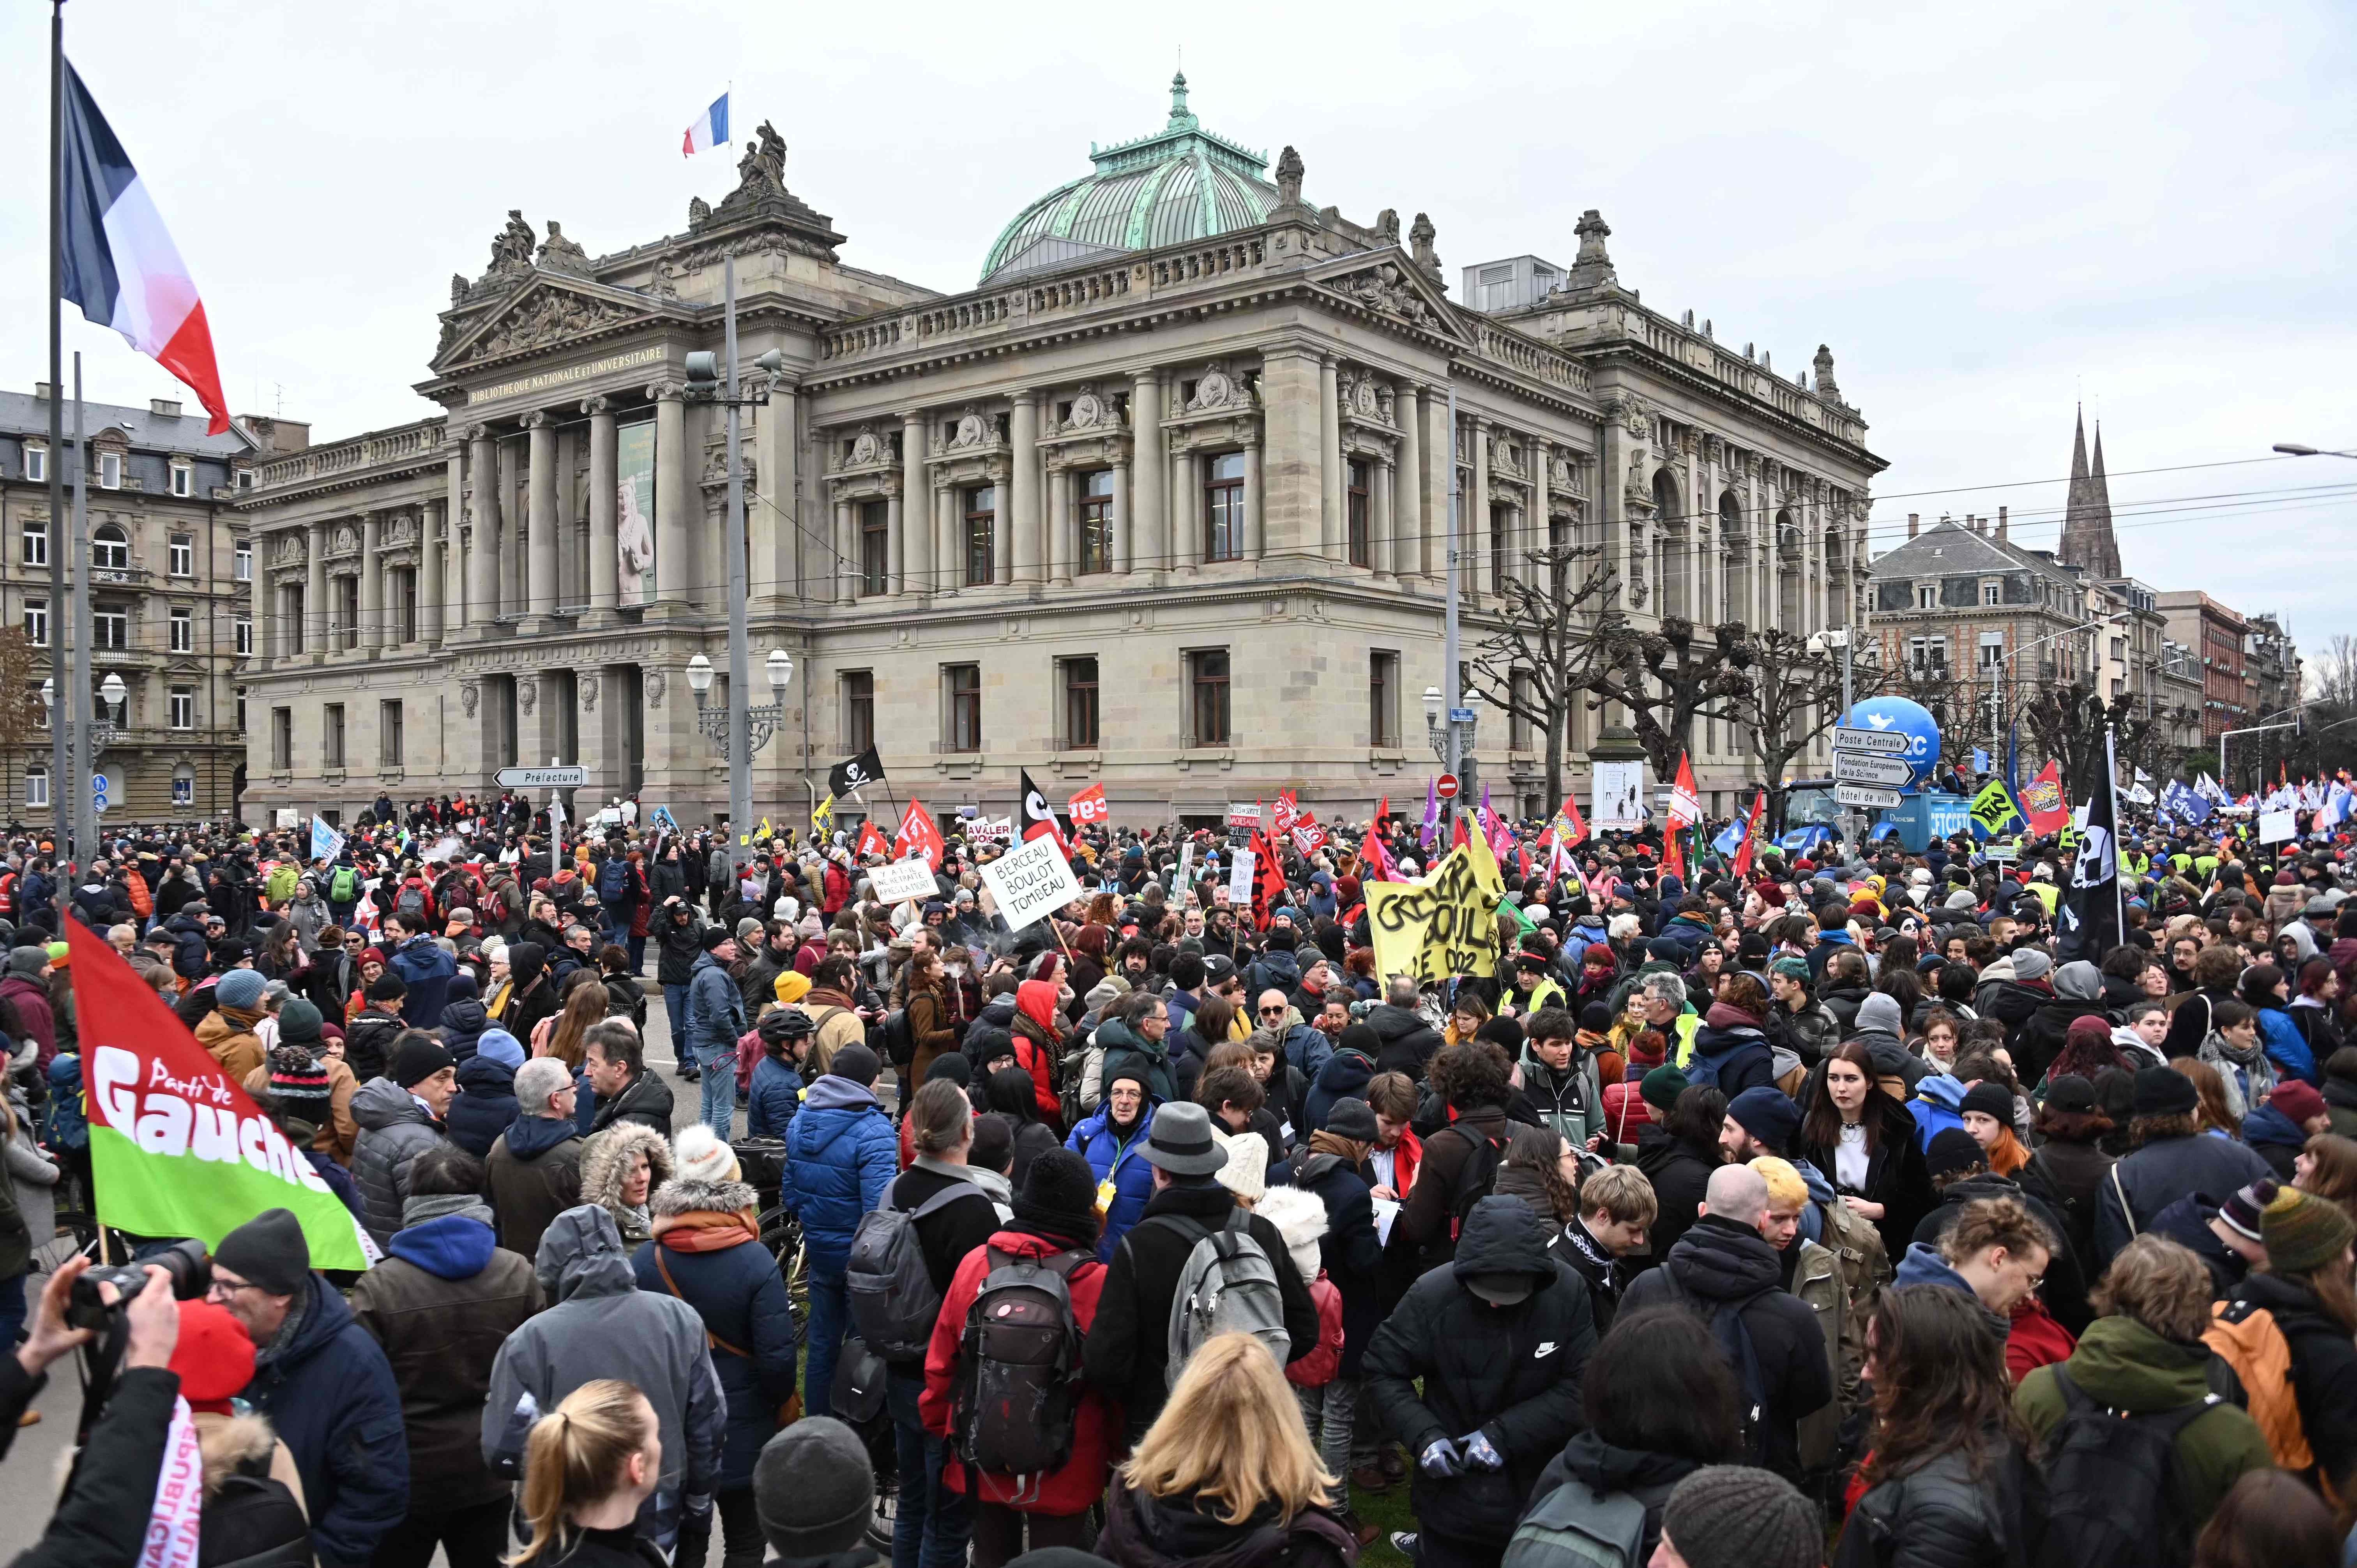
pixel 2077 981
pixel 2030 964
pixel 240 988
pixel 813 1489
pixel 1881 1011
pixel 29 960
pixel 1731 1516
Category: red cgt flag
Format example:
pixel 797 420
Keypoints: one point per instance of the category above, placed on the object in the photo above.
pixel 918 831
pixel 871 840
pixel 1088 807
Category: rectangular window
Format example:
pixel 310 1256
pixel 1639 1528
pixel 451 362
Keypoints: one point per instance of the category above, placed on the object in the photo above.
pixel 298 631
pixel 110 549
pixel 1992 649
pixel 347 612
pixel 1992 594
pixel 36 469
pixel 1498 534
pixel 875 547
pixel 36 622
pixel 981 525
pixel 184 479
pixel 1096 520
pixel 1926 596
pixel 37 787
pixel 962 690
pixel 183 707
pixel 331 735
pixel 1356 510
pixel 241 710
pixel 244 567
pixel 37 541
pixel 245 625
pixel 184 789
pixel 1383 698
pixel 282 739
pixel 184 631
pixel 858 710
pixel 389 738
pixel 1079 681
pixel 183 554
pixel 1207 688
pixel 110 628
pixel 1223 507
pixel 109 470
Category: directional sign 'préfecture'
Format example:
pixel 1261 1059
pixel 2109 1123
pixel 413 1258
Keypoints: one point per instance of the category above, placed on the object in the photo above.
pixel 572 778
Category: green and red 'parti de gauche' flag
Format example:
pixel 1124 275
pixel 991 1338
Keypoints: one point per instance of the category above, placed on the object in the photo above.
pixel 176 1147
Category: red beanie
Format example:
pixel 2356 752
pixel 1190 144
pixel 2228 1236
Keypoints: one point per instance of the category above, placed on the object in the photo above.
pixel 214 1358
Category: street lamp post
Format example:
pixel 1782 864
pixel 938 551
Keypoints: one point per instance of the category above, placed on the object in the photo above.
pixel 759 721
pixel 1997 668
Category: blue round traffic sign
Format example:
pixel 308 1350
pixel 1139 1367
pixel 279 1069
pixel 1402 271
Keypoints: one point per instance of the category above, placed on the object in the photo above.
pixel 1898 715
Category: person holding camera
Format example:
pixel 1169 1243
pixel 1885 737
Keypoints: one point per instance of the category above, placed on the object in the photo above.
pixel 322 1381
pixel 103 1516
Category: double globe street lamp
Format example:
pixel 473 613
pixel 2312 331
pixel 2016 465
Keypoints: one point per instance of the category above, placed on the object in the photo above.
pixel 761 721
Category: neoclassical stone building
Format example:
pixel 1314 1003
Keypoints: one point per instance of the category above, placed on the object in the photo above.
pixel 1160 501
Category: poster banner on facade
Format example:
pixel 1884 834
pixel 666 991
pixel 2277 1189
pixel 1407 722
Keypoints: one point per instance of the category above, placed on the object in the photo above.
pixel 634 512
pixel 1031 880
pixel 1440 925
pixel 903 880
pixel 2275 827
pixel 1619 796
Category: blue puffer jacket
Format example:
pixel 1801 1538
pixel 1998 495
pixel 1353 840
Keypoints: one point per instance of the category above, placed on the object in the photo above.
pixel 1345 1076
pixel 1109 1155
pixel 775 1097
pixel 841 1154
pixel 741 1297
pixel 715 1017
pixel 484 1107
pixel 2287 1047
pixel 1937 1106
pixel 332 1395
pixel 427 970
pixel 69 1124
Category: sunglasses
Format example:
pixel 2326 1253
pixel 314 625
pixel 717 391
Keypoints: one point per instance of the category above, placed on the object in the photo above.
pixel 1272 1012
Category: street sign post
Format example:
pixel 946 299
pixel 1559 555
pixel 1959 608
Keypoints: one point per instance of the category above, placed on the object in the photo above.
pixel 1866 768
pixel 1885 743
pixel 1447 787
pixel 562 778
pixel 1861 795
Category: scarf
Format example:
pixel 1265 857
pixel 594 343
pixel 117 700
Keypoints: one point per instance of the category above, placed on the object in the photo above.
pixel 2248 1075
pixel 418 1210
pixel 1576 1234
pixel 706 1230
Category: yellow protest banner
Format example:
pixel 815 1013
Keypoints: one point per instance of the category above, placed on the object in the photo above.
pixel 1993 807
pixel 1440 925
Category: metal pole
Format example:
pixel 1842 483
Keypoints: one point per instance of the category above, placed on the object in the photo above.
pixel 1849 813
pixel 1449 695
pixel 740 721
pixel 83 764
pixel 61 711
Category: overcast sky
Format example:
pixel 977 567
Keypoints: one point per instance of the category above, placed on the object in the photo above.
pixel 1990 212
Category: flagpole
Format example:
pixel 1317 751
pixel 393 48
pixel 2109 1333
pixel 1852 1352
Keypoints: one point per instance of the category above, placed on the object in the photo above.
pixel 2112 782
pixel 60 709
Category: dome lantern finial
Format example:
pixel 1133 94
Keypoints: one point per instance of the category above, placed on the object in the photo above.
pixel 1179 116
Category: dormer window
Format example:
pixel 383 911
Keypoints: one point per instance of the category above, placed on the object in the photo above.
pixel 184 479
pixel 1927 596
pixel 109 470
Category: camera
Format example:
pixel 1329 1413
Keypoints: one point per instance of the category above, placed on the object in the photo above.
pixel 188 1262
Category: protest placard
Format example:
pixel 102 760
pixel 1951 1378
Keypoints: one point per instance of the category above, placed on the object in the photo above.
pixel 2275 827
pixel 1441 924
pixel 903 879
pixel 1031 880
pixel 1240 878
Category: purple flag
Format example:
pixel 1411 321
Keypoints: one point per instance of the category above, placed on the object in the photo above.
pixel 1431 833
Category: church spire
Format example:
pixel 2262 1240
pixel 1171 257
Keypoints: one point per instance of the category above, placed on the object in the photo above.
pixel 2087 539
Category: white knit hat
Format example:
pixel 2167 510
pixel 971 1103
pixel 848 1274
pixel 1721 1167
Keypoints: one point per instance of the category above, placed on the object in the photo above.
pixel 1300 1217
pixel 1246 1172
pixel 698 1155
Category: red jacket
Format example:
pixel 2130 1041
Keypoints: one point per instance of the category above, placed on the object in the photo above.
pixel 2035 1340
pixel 1036 999
pixel 1095 1425
pixel 1625 1111
pixel 1316 1369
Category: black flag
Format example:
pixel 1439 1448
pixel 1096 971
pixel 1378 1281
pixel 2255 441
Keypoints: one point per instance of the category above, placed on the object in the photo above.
pixel 849 778
pixel 2087 921
pixel 1039 817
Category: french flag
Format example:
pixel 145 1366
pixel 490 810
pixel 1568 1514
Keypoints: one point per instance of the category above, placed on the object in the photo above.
pixel 711 129
pixel 118 264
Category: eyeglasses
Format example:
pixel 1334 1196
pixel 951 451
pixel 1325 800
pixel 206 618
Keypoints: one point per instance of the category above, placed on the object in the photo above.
pixel 1272 1012
pixel 221 1289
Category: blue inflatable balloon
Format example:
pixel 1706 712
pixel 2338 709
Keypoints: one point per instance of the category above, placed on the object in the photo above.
pixel 1910 719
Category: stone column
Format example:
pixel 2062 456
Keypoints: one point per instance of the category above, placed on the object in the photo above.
pixel 1474 511
pixel 1379 518
pixel 770 510
pixel 912 556
pixel 429 573
pixel 1124 544
pixel 316 612
pixel 604 544
pixel 1023 514
pixel 1256 525
pixel 674 505
pixel 373 606
pixel 265 605
pixel 483 550
pixel 1293 473
pixel 1332 493
pixel 846 553
pixel 1151 508
pixel 1062 544
pixel 540 491
pixel 451 591
pixel 1409 519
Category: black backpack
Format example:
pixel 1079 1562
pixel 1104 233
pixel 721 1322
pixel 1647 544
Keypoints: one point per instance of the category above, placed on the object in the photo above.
pixel 2113 1496
pixel 251 1520
pixel 1725 1319
pixel 1476 1179
pixel 895 1042
pixel 1020 1367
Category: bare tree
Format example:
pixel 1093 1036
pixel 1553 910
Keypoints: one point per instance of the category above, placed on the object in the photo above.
pixel 1793 694
pixel 1539 661
pixel 1958 707
pixel 1667 679
pixel 20 696
pixel 2067 720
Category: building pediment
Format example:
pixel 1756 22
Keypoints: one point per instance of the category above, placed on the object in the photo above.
pixel 1389 284
pixel 547 314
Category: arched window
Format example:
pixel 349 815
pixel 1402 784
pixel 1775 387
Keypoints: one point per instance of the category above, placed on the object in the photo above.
pixel 1670 536
pixel 1735 583
pixel 110 548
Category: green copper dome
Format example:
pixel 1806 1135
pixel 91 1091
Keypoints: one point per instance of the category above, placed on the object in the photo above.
pixel 1182 183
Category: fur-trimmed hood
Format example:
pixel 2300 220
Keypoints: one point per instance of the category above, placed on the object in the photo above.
pixel 1299 1216
pixel 608 1155
pixel 687 1197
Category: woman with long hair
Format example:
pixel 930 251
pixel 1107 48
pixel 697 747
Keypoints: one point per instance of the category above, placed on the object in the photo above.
pixel 1864 1142
pixel 1226 1472
pixel 1949 1456
pixel 2327 1166
pixel 588 1466
pixel 2214 1114
pixel 1534 1171
pixel 561 1036
pixel 2305 1285
pixel 1466 1016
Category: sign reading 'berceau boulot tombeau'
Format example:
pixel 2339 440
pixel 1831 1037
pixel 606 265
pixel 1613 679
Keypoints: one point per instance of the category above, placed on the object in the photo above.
pixel 1030 880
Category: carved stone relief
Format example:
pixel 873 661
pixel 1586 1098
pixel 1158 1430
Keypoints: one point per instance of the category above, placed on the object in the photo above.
pixel 655 688
pixel 588 693
pixel 1385 288
pixel 549 316
pixel 470 694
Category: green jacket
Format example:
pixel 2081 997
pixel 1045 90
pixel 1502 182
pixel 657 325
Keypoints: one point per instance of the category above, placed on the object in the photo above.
pixel 1818 1282
pixel 2122 1365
